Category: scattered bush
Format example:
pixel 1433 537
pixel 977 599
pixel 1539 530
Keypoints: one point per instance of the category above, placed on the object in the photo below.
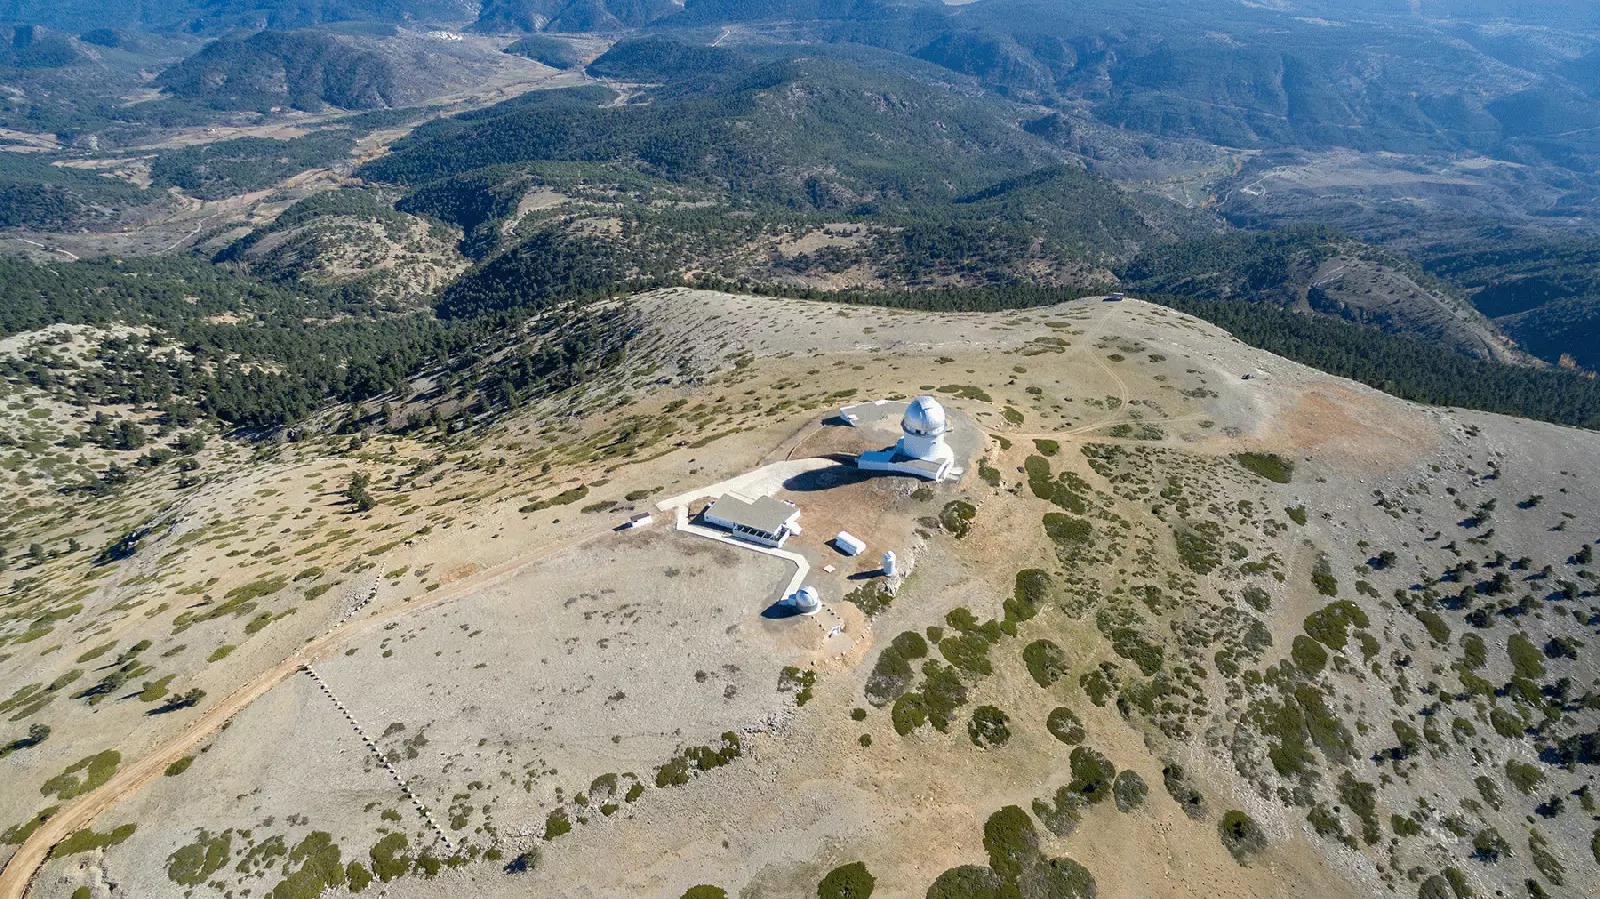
pixel 1331 625
pixel 1183 791
pixel 1092 775
pixel 705 891
pixel 194 863
pixel 389 858
pixel 892 675
pixel 1129 790
pixel 1308 655
pixel 957 517
pixel 1525 777
pixel 1046 662
pixel 1011 841
pixel 852 881
pixel 1322 577
pixel 1065 726
pixel 1241 835
pixel 1069 534
pixel 1526 659
pixel 1061 818
pixel 988 727
pixel 1271 466
pixel 1488 846
pixel 969 882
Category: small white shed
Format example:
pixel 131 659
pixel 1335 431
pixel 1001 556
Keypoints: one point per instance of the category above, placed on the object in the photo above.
pixel 849 544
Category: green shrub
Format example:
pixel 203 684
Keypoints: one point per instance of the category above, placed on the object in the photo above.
pixel 1011 841
pixel 852 881
pixel 87 840
pixel 970 882
pixel 1488 846
pixel 1322 577
pixel 1092 775
pixel 1032 592
pixel 1405 826
pixel 908 713
pixel 988 727
pixel 1308 655
pixel 84 775
pixel 558 824
pixel 1061 818
pixel 1183 791
pixel 956 518
pixel 1438 629
pixel 1070 535
pixel 1129 790
pixel 705 891
pixel 1331 625
pixel 1046 662
pixel 1526 659
pixel 389 858
pixel 1297 514
pixel 968 652
pixel 194 863
pixel 179 766
pixel 1065 726
pixel 1271 466
pixel 1047 447
pixel 1525 777
pixel 892 674
pixel 1241 835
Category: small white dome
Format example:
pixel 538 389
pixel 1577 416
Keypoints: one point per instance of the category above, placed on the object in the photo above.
pixel 806 600
pixel 924 416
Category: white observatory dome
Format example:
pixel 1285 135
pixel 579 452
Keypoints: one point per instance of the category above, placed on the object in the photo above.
pixel 806 601
pixel 924 417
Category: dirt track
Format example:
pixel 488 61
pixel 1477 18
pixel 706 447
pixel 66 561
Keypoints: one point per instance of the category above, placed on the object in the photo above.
pixel 31 856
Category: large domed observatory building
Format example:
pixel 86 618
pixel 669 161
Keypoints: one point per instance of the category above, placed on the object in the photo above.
pixel 922 451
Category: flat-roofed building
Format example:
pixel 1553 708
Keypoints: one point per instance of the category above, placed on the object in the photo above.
pixel 764 520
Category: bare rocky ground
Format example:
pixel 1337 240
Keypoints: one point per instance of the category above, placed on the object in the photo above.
pixel 1303 649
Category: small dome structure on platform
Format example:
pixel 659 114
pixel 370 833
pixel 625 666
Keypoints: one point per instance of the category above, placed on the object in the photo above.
pixel 806 601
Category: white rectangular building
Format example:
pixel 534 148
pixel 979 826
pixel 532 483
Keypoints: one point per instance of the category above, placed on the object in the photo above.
pixel 764 520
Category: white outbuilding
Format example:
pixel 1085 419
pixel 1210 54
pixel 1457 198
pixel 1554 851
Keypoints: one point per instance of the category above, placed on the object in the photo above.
pixel 891 565
pixel 849 544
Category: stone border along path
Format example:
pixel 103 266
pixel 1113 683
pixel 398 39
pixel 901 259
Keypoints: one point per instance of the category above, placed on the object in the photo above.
pixel 372 745
pixel 763 480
